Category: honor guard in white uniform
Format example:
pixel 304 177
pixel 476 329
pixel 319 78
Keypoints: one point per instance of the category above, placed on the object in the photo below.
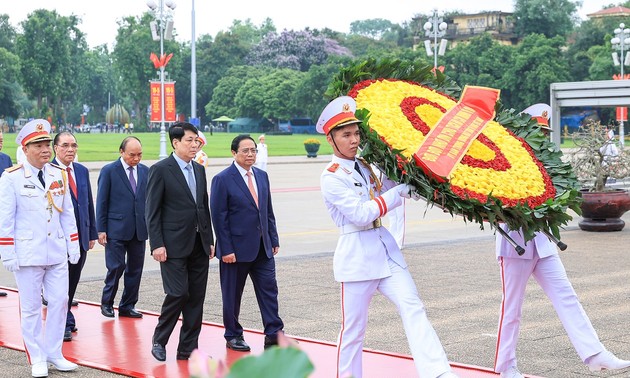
pixel 541 260
pixel 201 156
pixel 367 258
pixel 38 236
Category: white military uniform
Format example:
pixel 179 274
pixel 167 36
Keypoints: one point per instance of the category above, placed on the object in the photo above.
pixel 38 229
pixel 261 157
pixel 201 157
pixel 542 261
pixel 367 260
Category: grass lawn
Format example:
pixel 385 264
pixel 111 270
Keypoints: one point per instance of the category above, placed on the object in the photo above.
pixel 104 147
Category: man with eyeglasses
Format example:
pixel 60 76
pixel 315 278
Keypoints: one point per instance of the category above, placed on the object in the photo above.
pixel 247 241
pixel 181 240
pixel 121 226
pixel 65 147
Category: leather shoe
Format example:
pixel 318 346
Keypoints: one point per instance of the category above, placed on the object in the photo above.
pixel 74 329
pixel 159 352
pixel 44 301
pixel 62 364
pixel 74 303
pixel 129 313
pixel 606 361
pixel 3 294
pixel 67 336
pixel 238 344
pixel 107 311
pixel 39 369
pixel 271 341
pixel 183 355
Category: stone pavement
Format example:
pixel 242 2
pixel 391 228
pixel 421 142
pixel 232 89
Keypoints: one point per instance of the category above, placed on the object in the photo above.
pixel 456 274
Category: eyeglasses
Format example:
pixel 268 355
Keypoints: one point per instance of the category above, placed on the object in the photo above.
pixel 66 146
pixel 248 151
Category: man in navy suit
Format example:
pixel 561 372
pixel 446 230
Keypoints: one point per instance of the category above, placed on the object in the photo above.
pixel 65 147
pixel 121 225
pixel 5 162
pixel 181 239
pixel 247 241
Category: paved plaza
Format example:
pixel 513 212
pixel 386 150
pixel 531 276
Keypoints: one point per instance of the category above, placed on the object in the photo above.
pixel 453 264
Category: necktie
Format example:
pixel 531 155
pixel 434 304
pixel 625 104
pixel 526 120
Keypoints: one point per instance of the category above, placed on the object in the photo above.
pixel 73 185
pixel 132 180
pixel 191 182
pixel 250 185
pixel 356 168
pixel 40 175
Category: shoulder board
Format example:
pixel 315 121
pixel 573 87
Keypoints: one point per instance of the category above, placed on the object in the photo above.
pixel 56 166
pixel 13 168
pixel 333 167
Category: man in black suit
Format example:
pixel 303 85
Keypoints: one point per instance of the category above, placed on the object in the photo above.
pixel 122 230
pixel 5 162
pixel 181 239
pixel 65 147
pixel 247 241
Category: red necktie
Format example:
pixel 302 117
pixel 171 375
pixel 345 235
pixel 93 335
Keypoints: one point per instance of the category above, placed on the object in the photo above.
pixel 73 185
pixel 250 185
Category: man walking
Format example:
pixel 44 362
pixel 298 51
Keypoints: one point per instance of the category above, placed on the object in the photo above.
pixel 247 241
pixel 5 162
pixel 121 225
pixel 65 147
pixel 181 239
pixel 38 236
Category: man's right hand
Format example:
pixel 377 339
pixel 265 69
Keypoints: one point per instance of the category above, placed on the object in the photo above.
pixel 102 238
pixel 11 265
pixel 229 259
pixel 159 254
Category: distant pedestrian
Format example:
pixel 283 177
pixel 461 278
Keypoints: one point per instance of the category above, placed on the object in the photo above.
pixel 262 155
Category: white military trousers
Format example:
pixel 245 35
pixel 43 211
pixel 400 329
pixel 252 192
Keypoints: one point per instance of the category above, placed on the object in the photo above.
pixel 429 356
pixel 550 274
pixel 43 342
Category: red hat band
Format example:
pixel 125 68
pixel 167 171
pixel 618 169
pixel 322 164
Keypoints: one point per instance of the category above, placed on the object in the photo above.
pixel 337 120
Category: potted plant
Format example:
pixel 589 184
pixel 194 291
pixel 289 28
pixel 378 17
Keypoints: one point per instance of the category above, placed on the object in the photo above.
pixel 596 160
pixel 311 145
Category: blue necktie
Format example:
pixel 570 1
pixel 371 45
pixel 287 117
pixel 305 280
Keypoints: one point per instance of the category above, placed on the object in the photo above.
pixel 191 182
pixel 132 180
pixel 40 175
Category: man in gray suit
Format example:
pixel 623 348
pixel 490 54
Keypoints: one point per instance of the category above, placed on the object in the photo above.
pixel 181 239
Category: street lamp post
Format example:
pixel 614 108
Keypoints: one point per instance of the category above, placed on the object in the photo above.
pixel 435 28
pixel 621 42
pixel 162 28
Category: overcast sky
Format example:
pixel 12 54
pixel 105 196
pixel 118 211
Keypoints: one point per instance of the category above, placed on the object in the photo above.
pixel 100 17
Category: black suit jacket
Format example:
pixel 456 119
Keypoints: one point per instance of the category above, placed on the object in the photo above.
pixel 173 217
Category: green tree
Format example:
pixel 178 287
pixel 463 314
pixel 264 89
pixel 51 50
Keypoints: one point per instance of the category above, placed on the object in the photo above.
pixel 548 17
pixel 226 91
pixel 7 33
pixel 9 72
pixel 374 28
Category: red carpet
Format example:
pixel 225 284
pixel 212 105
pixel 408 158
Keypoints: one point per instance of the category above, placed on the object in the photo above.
pixel 123 345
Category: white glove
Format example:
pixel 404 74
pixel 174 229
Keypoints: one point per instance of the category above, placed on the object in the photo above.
pixel 405 190
pixel 11 265
pixel 73 258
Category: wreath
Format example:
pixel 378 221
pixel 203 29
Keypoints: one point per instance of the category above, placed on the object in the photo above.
pixel 510 173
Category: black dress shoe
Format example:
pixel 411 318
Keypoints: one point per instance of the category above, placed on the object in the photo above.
pixel 107 311
pixel 67 336
pixel 238 344
pixel 74 303
pixel 129 313
pixel 159 352
pixel 74 329
pixel 3 294
pixel 44 301
pixel 183 355
pixel 271 341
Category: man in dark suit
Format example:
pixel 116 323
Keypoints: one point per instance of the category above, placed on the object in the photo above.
pixel 122 230
pixel 181 239
pixel 5 162
pixel 65 147
pixel 247 241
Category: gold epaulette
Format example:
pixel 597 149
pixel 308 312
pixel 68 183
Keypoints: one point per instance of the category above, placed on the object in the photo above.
pixel 333 168
pixel 57 166
pixel 13 168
